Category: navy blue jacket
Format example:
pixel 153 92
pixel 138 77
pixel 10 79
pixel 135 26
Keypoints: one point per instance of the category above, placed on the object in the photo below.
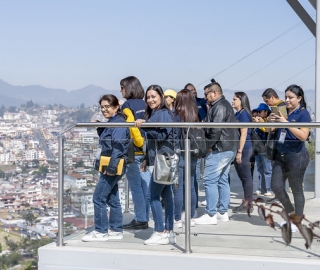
pixel 202 108
pixel 167 138
pixel 114 143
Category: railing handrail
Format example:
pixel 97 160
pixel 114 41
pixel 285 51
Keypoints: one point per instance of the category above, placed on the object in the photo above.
pixel 200 124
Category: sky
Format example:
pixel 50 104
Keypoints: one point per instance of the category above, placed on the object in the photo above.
pixel 243 44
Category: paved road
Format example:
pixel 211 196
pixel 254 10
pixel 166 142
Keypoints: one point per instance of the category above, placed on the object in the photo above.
pixel 43 144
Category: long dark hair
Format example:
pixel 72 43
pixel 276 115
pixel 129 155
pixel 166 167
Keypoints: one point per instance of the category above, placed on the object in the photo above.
pixel 186 106
pixel 245 104
pixel 133 88
pixel 163 104
pixel 298 91
pixel 114 102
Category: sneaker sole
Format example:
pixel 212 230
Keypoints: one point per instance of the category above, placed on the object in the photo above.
pixel 115 237
pixel 158 243
pixel 95 240
pixel 136 228
pixel 206 223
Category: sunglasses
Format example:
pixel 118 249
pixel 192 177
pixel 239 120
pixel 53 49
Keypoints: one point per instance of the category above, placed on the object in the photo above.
pixel 170 97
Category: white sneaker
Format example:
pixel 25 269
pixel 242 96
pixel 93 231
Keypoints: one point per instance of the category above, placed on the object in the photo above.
pixel 177 223
pixel 257 192
pixel 206 220
pixel 95 236
pixel 115 235
pixel 204 203
pixel 172 237
pixel 157 239
pixel 294 228
pixel 193 222
pixel 222 217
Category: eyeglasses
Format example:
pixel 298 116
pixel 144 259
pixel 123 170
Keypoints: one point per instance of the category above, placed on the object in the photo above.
pixel 170 97
pixel 207 93
pixel 106 107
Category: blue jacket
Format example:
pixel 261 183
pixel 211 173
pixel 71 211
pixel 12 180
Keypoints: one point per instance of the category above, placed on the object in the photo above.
pixel 167 138
pixel 114 143
pixel 202 108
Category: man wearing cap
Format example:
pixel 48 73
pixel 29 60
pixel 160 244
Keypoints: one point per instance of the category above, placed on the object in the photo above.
pixel 271 98
pixel 264 165
pixel 170 96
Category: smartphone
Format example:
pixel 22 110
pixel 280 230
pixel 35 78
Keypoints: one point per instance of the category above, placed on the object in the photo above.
pixel 277 109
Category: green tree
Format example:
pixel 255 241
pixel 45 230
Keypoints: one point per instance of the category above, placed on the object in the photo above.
pixel 0 248
pixel 35 162
pixel 29 217
pixel 80 163
pixel 43 169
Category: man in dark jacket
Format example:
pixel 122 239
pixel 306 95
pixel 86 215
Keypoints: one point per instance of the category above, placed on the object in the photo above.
pixel 223 144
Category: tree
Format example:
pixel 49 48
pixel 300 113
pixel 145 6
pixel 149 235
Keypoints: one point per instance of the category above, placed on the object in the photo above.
pixel 43 169
pixel 29 104
pixel 29 217
pixel 12 109
pixel 80 163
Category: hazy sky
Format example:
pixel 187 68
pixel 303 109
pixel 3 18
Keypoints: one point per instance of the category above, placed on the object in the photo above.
pixel 71 44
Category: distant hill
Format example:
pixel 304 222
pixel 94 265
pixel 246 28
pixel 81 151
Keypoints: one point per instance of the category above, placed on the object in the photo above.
pixel 11 95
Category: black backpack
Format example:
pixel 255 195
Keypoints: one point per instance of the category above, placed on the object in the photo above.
pixel 198 142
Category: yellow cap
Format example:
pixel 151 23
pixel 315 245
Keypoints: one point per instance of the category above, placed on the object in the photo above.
pixel 170 92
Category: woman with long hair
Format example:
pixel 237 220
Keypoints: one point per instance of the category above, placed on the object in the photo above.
pixel 114 143
pixel 186 110
pixel 134 108
pixel 240 103
pixel 292 156
pixel 166 140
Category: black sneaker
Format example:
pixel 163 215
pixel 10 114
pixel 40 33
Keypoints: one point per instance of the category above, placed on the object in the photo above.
pixel 136 225
pixel 273 200
pixel 242 208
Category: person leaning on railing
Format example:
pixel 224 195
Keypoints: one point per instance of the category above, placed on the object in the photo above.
pixel 292 157
pixel 114 143
pixel 134 108
pixel 167 140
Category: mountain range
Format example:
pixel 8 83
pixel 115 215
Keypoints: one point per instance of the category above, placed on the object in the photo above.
pixel 11 95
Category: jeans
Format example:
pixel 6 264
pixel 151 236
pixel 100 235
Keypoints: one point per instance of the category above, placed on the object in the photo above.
pixel 139 183
pixel 178 192
pixel 264 167
pixel 293 166
pixel 106 193
pixel 165 191
pixel 217 189
pixel 244 172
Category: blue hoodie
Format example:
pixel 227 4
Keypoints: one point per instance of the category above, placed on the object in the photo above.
pixel 114 143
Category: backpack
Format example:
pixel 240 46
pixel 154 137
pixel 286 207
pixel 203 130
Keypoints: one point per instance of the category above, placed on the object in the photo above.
pixel 198 142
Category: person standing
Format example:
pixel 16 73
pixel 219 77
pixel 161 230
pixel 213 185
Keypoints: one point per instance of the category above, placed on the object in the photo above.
pixel 223 144
pixel 186 111
pixel 134 108
pixel 264 165
pixel 170 96
pixel 271 98
pixel 292 157
pixel 240 103
pixel 166 140
pixel 114 143
pixel 202 113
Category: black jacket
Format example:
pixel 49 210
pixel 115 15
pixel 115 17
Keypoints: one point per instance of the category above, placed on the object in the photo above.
pixel 221 139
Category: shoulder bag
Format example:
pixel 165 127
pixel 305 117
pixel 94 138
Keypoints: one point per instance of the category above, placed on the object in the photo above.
pixel 258 146
pixel 271 146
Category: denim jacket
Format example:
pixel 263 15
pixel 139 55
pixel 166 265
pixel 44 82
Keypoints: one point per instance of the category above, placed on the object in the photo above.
pixel 167 138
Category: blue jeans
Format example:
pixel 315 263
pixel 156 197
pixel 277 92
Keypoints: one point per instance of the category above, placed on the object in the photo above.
pixel 293 167
pixel 178 192
pixel 165 191
pixel 197 179
pixel 106 193
pixel 139 183
pixel 244 172
pixel 217 189
pixel 264 167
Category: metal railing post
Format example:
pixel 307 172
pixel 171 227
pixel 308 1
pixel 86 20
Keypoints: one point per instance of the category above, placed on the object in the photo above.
pixel 126 207
pixel 187 195
pixel 60 190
